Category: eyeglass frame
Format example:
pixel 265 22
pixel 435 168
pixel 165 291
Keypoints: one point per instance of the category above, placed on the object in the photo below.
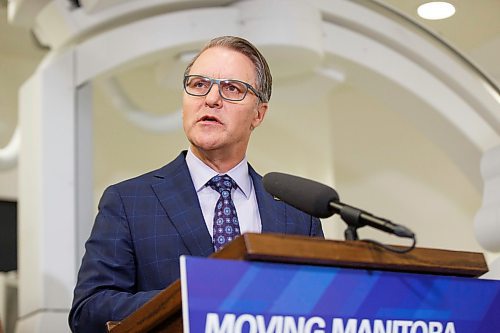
pixel 218 81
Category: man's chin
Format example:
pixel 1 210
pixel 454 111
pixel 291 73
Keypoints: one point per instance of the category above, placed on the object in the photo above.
pixel 206 144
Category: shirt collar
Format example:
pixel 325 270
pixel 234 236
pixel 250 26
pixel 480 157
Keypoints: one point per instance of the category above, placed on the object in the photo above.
pixel 202 173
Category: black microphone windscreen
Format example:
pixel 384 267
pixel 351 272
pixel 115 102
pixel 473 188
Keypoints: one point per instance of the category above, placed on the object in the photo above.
pixel 306 195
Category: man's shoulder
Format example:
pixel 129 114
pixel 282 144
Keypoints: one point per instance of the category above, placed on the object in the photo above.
pixel 254 174
pixel 152 177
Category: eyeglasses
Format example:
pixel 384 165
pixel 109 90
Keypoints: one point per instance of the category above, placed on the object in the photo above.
pixel 231 90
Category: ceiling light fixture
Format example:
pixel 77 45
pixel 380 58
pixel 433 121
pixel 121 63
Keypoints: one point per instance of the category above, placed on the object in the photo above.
pixel 436 10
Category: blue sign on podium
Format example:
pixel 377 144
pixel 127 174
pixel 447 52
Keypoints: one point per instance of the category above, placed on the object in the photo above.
pixel 228 296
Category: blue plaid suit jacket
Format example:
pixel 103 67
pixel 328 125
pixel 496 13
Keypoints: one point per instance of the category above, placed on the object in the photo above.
pixel 144 224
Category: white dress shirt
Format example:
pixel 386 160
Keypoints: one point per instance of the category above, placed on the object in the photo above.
pixel 243 197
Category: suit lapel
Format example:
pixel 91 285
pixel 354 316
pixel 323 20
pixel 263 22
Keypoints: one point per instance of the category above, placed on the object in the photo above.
pixel 175 191
pixel 272 211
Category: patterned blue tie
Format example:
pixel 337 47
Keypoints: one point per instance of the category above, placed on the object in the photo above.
pixel 226 225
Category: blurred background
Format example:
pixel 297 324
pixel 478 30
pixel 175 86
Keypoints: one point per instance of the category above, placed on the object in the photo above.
pixel 366 98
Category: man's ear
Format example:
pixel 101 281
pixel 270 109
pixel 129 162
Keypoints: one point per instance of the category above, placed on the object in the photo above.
pixel 259 114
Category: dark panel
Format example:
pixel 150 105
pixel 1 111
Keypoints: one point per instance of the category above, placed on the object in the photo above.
pixel 8 236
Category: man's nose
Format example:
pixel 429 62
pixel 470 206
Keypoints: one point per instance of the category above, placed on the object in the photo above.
pixel 213 98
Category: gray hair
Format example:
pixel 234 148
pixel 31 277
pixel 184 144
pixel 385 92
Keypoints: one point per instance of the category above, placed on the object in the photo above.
pixel 264 78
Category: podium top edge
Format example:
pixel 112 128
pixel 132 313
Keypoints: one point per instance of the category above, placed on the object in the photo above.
pixel 352 254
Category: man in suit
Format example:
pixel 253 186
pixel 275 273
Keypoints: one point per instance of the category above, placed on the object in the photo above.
pixel 144 224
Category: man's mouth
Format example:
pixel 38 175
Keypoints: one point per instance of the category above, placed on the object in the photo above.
pixel 209 119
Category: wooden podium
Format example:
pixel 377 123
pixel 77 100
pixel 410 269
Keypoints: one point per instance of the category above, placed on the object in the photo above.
pixel 164 312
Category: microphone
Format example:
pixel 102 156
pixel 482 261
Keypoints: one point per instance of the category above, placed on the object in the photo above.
pixel 306 195
pixel 322 201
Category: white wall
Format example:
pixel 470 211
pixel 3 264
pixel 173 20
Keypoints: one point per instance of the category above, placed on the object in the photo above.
pixel 385 165
pixel 18 59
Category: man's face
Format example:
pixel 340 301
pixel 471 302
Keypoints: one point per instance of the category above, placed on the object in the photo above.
pixel 212 123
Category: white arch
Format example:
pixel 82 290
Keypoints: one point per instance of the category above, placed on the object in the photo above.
pixel 457 99
pixel 9 153
pixel 432 105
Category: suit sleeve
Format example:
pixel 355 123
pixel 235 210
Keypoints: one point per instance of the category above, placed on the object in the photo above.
pixel 316 228
pixel 106 287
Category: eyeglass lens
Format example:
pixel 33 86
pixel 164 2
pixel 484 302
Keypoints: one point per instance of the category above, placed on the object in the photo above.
pixel 229 89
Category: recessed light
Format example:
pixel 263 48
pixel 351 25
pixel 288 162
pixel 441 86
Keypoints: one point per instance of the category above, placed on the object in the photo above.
pixel 436 10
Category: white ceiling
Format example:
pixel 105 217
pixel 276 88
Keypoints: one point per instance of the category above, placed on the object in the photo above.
pixel 474 30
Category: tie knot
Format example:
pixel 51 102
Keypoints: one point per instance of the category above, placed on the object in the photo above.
pixel 222 183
